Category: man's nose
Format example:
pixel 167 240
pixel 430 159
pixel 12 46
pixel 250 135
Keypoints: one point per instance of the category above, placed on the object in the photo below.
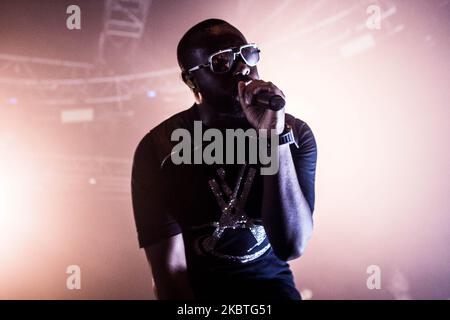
pixel 241 68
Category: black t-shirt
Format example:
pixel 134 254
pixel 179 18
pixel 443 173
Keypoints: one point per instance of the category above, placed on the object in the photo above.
pixel 217 208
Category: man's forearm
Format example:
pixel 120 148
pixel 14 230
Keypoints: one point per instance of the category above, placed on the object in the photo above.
pixel 286 214
pixel 167 261
pixel 174 287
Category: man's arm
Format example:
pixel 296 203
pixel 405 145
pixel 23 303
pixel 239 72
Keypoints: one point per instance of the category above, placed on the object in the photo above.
pixel 158 231
pixel 168 263
pixel 286 214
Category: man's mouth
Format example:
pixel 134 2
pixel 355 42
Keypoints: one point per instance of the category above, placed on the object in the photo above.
pixel 246 79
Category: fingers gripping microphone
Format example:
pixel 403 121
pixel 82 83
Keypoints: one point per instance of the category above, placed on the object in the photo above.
pixel 268 100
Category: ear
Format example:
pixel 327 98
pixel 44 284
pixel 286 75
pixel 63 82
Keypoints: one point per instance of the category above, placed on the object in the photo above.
pixel 187 78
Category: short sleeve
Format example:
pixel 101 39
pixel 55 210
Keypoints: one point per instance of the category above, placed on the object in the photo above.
pixel 305 159
pixel 150 203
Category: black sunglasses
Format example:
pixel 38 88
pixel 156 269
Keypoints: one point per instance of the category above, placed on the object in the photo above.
pixel 223 60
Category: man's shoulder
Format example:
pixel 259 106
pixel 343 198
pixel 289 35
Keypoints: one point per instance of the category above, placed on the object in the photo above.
pixel 183 119
pixel 157 140
pixel 302 131
pixel 295 122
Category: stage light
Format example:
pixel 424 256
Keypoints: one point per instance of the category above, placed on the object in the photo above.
pixel 3 200
pixel 16 199
pixel 151 93
pixel 307 294
pixel 12 101
pixel 10 216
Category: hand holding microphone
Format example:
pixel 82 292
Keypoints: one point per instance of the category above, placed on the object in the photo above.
pixel 268 100
pixel 263 104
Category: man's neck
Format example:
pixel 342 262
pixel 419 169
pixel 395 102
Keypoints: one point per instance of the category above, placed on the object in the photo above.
pixel 213 119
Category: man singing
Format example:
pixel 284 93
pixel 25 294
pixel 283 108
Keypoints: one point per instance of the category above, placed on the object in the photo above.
pixel 224 230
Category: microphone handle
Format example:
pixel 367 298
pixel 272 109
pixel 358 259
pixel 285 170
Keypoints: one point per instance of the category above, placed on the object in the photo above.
pixel 269 100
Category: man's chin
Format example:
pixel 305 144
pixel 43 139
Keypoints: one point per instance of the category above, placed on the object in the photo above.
pixel 230 118
pixel 232 109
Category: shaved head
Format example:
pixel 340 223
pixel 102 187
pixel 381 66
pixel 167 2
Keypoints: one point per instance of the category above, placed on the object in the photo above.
pixel 199 35
pixel 217 93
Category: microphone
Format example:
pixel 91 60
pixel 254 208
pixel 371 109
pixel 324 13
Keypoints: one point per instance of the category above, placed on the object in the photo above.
pixel 264 99
pixel 268 100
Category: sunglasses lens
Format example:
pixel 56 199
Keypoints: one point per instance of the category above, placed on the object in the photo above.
pixel 250 55
pixel 222 62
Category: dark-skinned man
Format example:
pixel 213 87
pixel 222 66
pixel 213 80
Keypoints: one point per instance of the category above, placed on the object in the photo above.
pixel 224 231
